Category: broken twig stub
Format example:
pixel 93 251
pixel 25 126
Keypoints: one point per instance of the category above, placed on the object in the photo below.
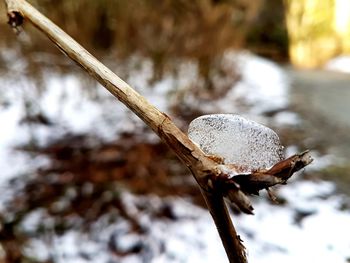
pixel 263 179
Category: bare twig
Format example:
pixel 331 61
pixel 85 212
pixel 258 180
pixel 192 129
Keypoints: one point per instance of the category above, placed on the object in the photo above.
pixel 200 165
pixel 218 210
pixel 277 174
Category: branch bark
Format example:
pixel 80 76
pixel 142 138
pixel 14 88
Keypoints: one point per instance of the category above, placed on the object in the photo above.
pixel 200 165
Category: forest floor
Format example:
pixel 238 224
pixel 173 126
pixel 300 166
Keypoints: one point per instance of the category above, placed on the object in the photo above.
pixel 83 180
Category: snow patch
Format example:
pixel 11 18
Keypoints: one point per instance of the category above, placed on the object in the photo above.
pixel 264 85
pixel 341 64
pixel 273 235
pixel 286 118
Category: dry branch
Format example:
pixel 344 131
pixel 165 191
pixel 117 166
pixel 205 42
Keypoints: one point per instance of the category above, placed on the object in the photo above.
pixel 211 178
pixel 277 174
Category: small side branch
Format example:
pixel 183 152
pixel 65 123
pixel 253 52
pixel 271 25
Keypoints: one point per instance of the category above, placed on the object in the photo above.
pixel 277 174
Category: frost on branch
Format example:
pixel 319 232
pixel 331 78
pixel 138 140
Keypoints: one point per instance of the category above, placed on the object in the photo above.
pixel 249 154
pixel 246 144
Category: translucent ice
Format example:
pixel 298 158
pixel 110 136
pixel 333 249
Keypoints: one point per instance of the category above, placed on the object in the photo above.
pixel 244 143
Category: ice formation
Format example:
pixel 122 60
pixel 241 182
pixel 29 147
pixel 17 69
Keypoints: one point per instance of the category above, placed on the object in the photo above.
pixel 244 143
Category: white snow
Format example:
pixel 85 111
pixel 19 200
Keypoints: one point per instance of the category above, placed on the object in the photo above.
pixel 13 162
pixel 320 237
pixel 263 86
pixel 286 118
pixel 271 235
pixel 341 64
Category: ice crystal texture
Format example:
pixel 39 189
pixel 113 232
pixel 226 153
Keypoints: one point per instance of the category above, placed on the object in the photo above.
pixel 244 143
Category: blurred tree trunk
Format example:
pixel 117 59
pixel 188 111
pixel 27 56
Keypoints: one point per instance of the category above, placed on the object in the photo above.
pixel 268 35
pixel 318 30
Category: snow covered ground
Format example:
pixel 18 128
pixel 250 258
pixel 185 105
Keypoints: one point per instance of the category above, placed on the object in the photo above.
pixel 310 227
pixel 341 64
pixel 306 229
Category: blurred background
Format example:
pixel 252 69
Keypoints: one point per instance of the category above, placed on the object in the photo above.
pixel 84 180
